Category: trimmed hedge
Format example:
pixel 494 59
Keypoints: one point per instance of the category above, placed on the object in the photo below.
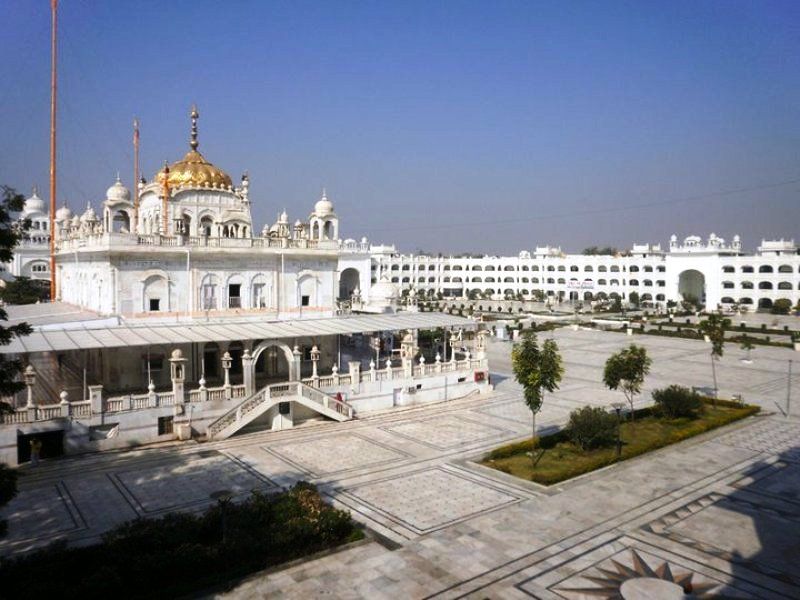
pixel 180 553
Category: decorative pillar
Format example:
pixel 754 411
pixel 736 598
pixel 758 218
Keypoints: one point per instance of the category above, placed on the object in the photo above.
pixel 407 353
pixel 177 372
pixel 96 398
pixel 421 365
pixel 65 408
pixel 151 395
pixel 389 369
pixel 372 375
pixel 335 375
pixel 203 390
pixel 315 354
pixel 294 372
pixel 248 371
pixel 227 361
pixel 355 372
pixel 29 376
pixel 480 344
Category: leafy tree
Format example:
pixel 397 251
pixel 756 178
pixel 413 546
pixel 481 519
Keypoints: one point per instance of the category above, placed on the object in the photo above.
pixel 633 298
pixel 782 306
pixel 714 329
pixel 537 370
pixel 11 232
pixel 690 302
pixel 747 346
pixel 626 370
pixel 24 290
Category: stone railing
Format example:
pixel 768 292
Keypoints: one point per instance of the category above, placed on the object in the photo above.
pixel 370 375
pixel 273 393
pixel 74 242
pixel 47 412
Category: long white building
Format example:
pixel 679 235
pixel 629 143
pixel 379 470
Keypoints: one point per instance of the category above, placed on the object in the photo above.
pixel 715 272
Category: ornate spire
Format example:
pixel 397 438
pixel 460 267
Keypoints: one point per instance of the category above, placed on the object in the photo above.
pixel 194 114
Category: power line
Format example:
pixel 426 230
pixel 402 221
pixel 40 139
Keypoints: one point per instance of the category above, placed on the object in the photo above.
pixel 588 212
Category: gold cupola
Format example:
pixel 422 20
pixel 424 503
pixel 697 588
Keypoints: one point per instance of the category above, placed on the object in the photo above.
pixel 193 170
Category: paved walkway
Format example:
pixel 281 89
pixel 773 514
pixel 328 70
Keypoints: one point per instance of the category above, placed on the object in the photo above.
pixel 723 509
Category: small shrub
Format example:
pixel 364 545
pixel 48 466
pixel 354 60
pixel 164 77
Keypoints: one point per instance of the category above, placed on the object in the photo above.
pixel 677 401
pixel 592 427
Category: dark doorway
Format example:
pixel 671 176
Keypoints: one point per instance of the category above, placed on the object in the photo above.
pixel 52 445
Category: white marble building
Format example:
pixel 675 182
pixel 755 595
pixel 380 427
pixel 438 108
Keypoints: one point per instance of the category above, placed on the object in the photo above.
pixel 715 272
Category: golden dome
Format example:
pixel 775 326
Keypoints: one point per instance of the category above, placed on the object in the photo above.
pixel 193 170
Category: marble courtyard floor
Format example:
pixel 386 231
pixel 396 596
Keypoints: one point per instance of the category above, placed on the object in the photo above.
pixel 719 513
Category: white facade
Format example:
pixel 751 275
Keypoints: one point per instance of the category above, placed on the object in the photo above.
pixel 715 272
pixel 32 255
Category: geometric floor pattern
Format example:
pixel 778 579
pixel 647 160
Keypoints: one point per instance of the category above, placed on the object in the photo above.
pixel 716 516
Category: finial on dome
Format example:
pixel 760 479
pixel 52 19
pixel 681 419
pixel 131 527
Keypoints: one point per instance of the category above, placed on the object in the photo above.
pixel 118 180
pixel 35 190
pixel 324 194
pixel 194 115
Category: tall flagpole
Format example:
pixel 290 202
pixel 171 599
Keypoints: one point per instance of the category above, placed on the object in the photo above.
pixel 54 31
pixel 135 224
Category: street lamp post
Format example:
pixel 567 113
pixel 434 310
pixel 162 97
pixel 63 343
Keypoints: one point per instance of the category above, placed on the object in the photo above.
pixel 617 406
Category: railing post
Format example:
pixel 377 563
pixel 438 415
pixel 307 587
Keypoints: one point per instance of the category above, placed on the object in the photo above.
pixel 335 374
pixel 226 366
pixel 152 399
pixel 388 369
pixel 177 367
pixel 65 407
pixel 373 376
pixel 247 370
pixel 96 398
pixel 127 402
pixel 438 365
pixel 203 390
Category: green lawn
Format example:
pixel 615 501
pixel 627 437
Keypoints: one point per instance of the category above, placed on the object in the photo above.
pixel 559 459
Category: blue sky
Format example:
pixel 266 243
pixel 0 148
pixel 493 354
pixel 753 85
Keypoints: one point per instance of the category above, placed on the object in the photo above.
pixel 449 126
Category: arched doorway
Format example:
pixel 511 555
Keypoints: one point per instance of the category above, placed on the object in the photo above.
pixel 692 286
pixel 349 281
pixel 272 362
pixel 765 303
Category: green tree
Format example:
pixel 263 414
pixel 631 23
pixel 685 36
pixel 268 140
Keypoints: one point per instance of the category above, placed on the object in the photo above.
pixel 781 306
pixel 714 329
pixel 747 346
pixel 24 290
pixel 537 370
pixel 633 298
pixel 626 370
pixel 11 232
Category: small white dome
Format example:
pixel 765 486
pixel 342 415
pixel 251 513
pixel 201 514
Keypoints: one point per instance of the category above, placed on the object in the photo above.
pixel 33 204
pixel 383 293
pixel 63 214
pixel 118 193
pixel 76 221
pixel 89 216
pixel 323 207
pixel 284 218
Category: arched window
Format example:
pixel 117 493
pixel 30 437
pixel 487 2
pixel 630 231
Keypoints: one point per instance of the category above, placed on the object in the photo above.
pixel 648 269
pixel 747 269
pixel 601 282
pixel 562 268
pixel 784 269
pixel 765 269
pixel 765 285
pixel 588 269
pixel 574 268
pixel 728 269
pixel 602 269
pixel 634 269
pixel 728 285
pixel 633 282
pixel 647 283
pixel 747 285
pixel 614 269
pixel 784 285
